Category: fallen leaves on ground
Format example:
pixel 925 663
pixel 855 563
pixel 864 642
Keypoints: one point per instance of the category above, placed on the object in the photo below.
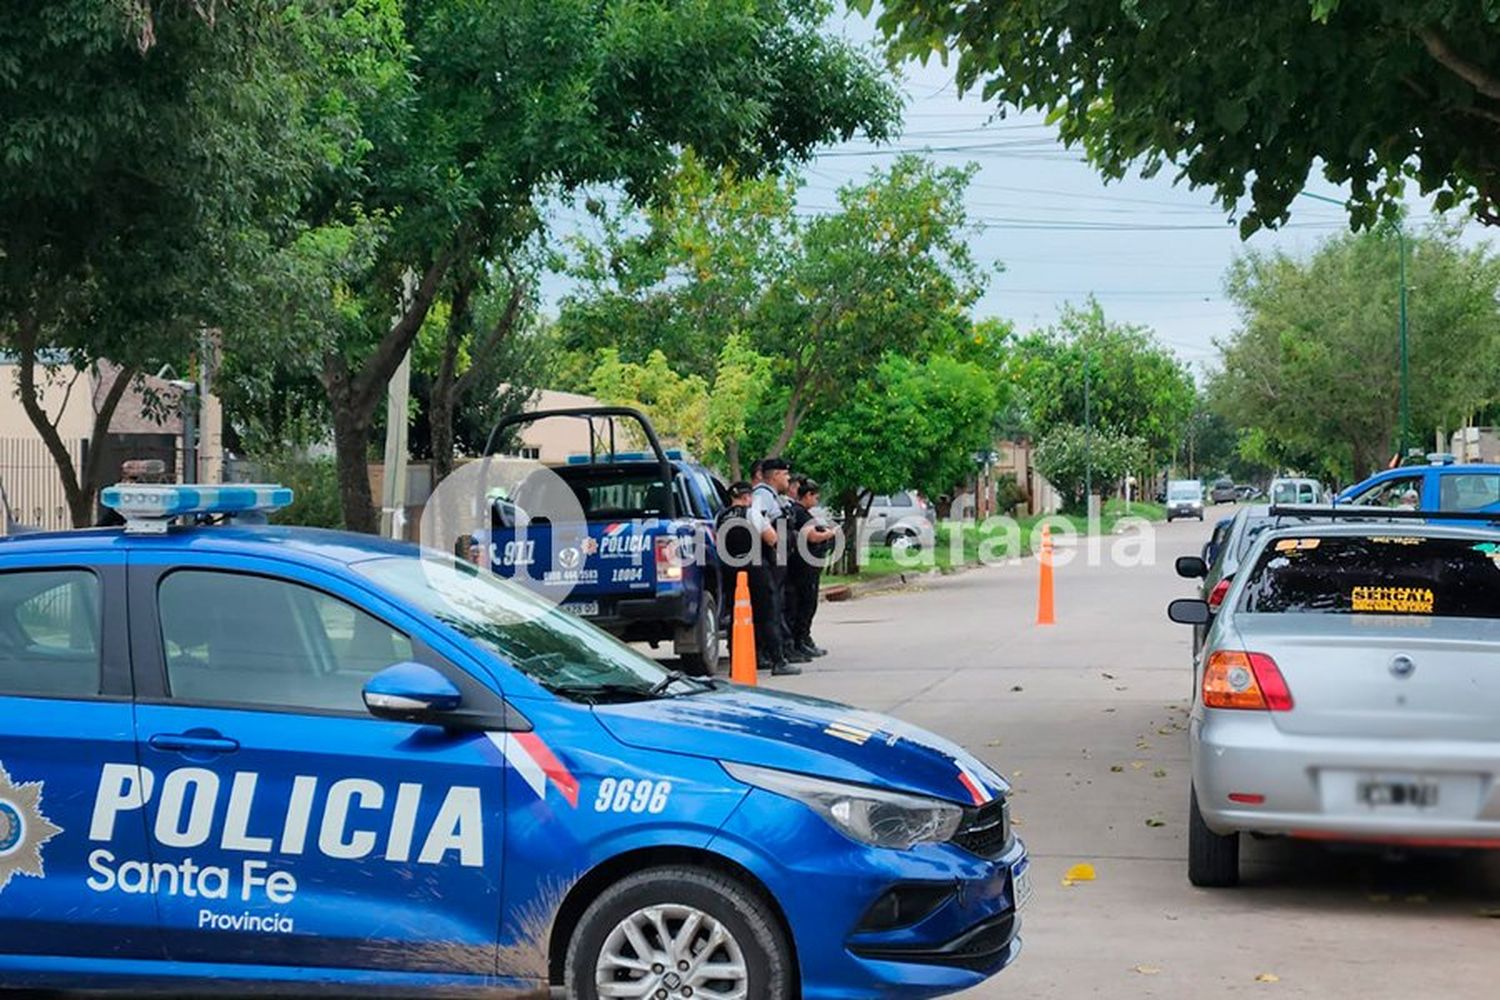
pixel 1081 872
pixel 1146 970
pixel 1117 768
pixel 1154 821
pixel 1268 977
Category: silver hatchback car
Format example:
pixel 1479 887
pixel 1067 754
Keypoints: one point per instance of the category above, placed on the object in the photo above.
pixel 1349 690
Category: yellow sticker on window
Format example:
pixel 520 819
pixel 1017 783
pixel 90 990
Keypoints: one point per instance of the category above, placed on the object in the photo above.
pixel 1288 544
pixel 1392 600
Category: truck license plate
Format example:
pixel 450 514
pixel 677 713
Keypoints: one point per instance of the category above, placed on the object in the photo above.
pixel 1021 884
pixel 583 609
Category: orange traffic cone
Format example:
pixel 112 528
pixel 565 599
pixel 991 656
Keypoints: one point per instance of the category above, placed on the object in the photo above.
pixel 742 636
pixel 1044 610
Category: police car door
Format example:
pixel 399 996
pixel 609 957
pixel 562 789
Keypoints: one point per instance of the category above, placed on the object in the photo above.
pixel 287 825
pixel 65 713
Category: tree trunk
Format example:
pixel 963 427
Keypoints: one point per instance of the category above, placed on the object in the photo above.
pixel 732 457
pixel 351 441
pixel 444 398
pixel 79 485
pixel 353 397
pixel 790 418
pixel 850 563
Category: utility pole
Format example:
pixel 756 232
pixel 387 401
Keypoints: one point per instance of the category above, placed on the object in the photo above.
pixel 1405 368
pixel 398 391
pixel 1088 439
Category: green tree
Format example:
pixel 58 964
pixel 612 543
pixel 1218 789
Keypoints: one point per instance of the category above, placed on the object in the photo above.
pixel 1244 98
pixel 471 112
pixel 909 425
pixel 144 165
pixel 1313 372
pixel 1134 385
pixel 1069 455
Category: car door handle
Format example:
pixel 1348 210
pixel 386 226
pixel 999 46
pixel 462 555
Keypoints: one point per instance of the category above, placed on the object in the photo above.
pixel 193 743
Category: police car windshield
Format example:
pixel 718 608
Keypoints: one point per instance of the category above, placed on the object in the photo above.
pixel 554 648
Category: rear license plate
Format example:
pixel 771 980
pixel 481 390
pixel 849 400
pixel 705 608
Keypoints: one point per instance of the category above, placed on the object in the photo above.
pixel 584 609
pixel 1412 792
pixel 1021 883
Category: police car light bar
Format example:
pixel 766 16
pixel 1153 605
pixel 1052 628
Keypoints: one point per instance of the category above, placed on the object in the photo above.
pixel 582 458
pixel 147 508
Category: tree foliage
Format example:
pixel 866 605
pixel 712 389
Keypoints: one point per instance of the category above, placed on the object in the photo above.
pixel 1313 373
pixel 1244 98
pixel 826 298
pixel 143 164
pixel 1134 385
pixel 1069 456
pixel 909 425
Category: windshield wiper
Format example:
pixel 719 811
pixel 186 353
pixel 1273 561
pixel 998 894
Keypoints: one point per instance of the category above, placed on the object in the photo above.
pixel 672 677
pixel 594 693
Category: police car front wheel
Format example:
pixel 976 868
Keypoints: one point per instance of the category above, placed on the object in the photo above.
pixel 679 933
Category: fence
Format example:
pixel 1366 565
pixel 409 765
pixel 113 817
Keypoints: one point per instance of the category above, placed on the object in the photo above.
pixel 32 486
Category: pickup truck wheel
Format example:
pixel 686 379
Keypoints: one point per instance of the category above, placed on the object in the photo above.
pixel 699 647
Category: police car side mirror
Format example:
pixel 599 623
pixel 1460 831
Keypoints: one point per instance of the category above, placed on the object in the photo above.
pixel 411 692
pixel 1189 611
pixel 1191 567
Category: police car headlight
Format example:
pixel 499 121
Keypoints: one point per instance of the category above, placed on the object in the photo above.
pixel 868 815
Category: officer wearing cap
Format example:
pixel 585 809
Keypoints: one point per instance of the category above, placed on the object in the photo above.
pixel 745 538
pixel 767 500
pixel 811 542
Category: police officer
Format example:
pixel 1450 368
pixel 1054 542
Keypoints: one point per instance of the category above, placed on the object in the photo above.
pixel 745 537
pixel 811 543
pixel 767 499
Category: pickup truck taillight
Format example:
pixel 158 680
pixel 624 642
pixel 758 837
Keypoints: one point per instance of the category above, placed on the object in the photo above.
pixel 668 565
pixel 1216 596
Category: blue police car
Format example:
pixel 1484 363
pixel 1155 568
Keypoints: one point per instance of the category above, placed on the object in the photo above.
pixel 300 760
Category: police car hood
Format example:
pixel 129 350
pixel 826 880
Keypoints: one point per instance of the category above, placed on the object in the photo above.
pixel 805 735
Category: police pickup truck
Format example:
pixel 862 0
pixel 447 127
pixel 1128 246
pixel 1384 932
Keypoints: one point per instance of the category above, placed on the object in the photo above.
pixel 624 539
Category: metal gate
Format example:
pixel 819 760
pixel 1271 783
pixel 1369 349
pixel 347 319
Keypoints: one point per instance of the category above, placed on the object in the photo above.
pixel 31 486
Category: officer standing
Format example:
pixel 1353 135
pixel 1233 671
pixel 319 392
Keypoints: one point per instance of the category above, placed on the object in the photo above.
pixel 811 543
pixel 745 538
pixel 767 499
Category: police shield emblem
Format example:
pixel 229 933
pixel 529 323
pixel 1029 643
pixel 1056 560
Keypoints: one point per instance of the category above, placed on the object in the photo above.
pixel 23 828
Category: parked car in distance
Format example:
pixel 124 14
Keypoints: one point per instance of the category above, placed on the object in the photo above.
pixel 1442 486
pixel 1184 499
pixel 1294 489
pixel 901 518
pixel 1224 491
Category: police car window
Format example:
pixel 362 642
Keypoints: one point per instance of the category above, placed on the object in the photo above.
pixel 242 639
pixel 554 648
pixel 1392 575
pixel 901 500
pixel 1468 491
pixel 49 633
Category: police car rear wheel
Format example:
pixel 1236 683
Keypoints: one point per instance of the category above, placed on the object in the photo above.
pixel 678 933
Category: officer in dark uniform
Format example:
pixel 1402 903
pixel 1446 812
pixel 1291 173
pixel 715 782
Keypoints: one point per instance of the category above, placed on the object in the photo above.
pixel 745 537
pixel 769 502
pixel 812 541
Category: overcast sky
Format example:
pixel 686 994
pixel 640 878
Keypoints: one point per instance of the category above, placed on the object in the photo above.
pixel 1151 252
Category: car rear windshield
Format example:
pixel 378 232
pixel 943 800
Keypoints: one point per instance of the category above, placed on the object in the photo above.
pixel 1389 575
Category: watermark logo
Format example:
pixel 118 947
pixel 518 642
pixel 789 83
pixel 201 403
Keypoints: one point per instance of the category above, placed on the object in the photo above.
pixel 23 828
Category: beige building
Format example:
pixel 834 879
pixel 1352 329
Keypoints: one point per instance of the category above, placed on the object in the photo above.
pixel 552 441
pixel 146 428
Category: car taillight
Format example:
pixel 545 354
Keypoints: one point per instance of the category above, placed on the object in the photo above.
pixel 1216 596
pixel 668 566
pixel 1233 679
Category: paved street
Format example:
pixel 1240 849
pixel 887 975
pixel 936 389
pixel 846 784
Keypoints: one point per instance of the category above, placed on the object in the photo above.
pixel 1057 709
